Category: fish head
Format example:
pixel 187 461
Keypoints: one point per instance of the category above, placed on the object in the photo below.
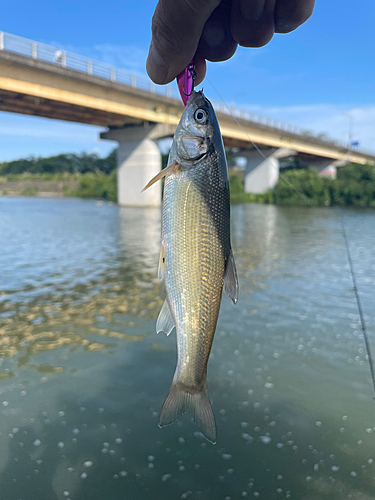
pixel 197 130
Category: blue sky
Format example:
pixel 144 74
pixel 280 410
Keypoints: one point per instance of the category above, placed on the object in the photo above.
pixel 316 77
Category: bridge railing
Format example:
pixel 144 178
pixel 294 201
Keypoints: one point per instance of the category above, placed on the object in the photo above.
pixel 70 60
pixel 66 59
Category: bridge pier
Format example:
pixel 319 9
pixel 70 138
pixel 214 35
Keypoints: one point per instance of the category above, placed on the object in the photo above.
pixel 262 173
pixel 138 161
pixel 326 167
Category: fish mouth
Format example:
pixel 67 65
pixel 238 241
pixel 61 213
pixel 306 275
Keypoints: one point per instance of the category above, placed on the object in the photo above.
pixel 199 157
pixel 198 95
pixel 196 158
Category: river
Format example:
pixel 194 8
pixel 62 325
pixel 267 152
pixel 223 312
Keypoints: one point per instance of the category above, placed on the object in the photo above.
pixel 83 373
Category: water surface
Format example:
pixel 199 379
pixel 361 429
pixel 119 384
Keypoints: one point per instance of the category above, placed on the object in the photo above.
pixel 83 373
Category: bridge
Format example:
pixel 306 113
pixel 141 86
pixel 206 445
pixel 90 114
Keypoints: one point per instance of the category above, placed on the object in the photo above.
pixel 41 80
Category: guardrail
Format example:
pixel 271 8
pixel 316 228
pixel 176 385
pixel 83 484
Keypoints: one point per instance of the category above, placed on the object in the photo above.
pixel 56 55
pixel 66 59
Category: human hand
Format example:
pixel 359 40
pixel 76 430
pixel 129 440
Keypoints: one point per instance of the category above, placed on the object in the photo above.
pixel 212 29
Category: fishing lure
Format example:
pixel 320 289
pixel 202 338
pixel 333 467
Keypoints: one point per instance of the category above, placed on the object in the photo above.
pixel 186 80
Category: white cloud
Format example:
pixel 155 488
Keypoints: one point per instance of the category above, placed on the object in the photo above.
pixel 337 121
pixel 57 131
pixel 22 136
pixel 128 57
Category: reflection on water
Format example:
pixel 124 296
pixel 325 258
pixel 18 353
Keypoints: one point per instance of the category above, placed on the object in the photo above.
pixel 83 373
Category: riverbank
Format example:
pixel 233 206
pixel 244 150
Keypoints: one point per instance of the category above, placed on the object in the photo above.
pixel 38 185
pixel 96 185
pixel 87 185
pixel 354 186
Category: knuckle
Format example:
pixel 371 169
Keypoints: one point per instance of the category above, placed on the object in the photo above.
pixel 196 6
pixel 255 39
pixel 304 11
pixel 290 19
pixel 286 26
pixel 178 25
pixel 165 38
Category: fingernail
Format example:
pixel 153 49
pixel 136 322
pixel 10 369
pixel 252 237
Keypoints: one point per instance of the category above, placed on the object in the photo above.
pixel 156 67
pixel 252 10
pixel 213 36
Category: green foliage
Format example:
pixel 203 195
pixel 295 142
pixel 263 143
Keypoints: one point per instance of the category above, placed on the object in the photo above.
pixel 27 176
pixel 314 189
pixel 164 160
pixel 237 190
pixel 30 191
pixel 230 156
pixel 355 185
pixel 16 166
pixel 97 177
pixel 70 163
pixel 97 185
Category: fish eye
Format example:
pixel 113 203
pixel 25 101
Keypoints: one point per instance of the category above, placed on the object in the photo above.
pixel 200 116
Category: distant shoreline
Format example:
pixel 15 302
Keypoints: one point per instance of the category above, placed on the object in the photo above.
pixel 62 185
pixel 41 194
pixel 355 186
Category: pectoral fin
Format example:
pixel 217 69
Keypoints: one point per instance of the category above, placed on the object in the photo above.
pixel 167 170
pixel 230 279
pixel 165 321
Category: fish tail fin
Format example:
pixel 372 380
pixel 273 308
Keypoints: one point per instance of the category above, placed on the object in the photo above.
pixel 183 399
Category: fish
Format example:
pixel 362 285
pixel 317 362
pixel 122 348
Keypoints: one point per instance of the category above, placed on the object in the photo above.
pixel 196 259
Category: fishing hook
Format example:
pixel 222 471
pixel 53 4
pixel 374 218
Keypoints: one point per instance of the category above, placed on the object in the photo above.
pixel 193 74
pixel 186 81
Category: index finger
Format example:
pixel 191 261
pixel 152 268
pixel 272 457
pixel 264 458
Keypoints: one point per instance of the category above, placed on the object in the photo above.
pixel 176 29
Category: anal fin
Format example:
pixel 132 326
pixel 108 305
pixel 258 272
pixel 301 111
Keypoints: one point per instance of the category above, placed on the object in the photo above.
pixel 165 322
pixel 231 287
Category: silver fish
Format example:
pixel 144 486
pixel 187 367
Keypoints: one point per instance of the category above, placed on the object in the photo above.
pixel 196 260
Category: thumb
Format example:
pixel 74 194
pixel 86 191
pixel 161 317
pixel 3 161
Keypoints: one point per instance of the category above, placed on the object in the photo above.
pixel 177 26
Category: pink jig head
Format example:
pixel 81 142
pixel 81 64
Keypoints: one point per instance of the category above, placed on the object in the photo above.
pixel 185 81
